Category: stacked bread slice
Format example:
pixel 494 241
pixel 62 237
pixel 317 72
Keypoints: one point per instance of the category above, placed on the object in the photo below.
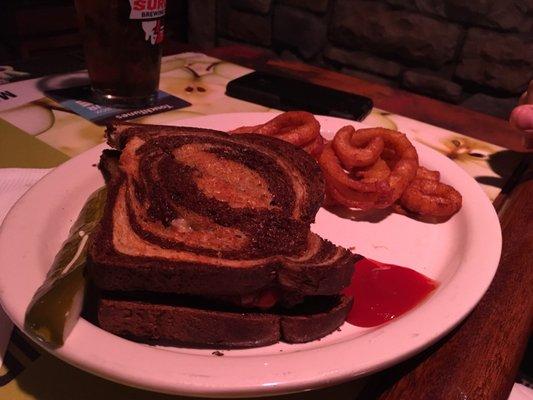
pixel 205 241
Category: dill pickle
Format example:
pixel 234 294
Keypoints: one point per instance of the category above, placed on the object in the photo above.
pixel 57 304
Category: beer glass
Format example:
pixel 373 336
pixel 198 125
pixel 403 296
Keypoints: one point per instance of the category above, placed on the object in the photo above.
pixel 122 43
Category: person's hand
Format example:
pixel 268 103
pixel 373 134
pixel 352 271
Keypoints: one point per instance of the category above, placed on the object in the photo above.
pixel 522 115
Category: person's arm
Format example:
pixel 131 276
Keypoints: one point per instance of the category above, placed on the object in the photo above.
pixel 522 116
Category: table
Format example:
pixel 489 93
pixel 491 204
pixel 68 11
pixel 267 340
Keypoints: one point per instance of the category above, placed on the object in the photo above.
pixel 478 360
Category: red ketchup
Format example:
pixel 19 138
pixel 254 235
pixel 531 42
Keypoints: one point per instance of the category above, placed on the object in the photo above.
pixel 382 292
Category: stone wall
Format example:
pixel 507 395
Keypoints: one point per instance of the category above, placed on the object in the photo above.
pixel 476 53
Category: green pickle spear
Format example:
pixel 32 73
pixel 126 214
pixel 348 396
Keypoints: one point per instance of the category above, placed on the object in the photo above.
pixel 57 304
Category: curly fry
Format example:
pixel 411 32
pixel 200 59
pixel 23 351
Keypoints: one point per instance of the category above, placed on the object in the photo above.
pixel 424 173
pixel 431 198
pixel 375 183
pixel 378 171
pixel 373 177
pixel 338 194
pixel 315 147
pixel 357 150
pixel 245 129
pixel 297 127
pixel 332 169
pixel 371 168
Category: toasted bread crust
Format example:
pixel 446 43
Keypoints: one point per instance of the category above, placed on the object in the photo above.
pixel 119 134
pixel 159 323
pixel 315 275
pixel 276 256
pixel 110 270
pixel 199 225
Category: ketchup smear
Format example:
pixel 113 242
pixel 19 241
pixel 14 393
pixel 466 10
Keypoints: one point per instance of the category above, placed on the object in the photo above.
pixel 382 292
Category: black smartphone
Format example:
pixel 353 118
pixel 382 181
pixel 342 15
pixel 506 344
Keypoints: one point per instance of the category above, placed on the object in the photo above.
pixel 291 94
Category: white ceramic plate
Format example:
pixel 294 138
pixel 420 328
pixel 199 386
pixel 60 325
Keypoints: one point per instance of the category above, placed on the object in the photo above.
pixel 461 254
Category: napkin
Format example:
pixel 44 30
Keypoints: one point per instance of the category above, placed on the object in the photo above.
pixel 14 182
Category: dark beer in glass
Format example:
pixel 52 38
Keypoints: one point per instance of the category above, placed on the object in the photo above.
pixel 122 43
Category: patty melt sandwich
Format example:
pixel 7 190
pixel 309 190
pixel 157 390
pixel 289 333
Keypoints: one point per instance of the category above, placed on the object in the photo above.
pixel 205 241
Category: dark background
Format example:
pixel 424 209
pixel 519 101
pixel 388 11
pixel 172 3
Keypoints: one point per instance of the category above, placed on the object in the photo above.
pixel 477 53
pixel 44 34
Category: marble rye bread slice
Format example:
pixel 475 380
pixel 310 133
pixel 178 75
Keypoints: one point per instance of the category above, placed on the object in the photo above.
pixel 200 212
pixel 199 325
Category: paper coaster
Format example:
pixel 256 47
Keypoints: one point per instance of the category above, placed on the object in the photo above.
pixel 79 99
